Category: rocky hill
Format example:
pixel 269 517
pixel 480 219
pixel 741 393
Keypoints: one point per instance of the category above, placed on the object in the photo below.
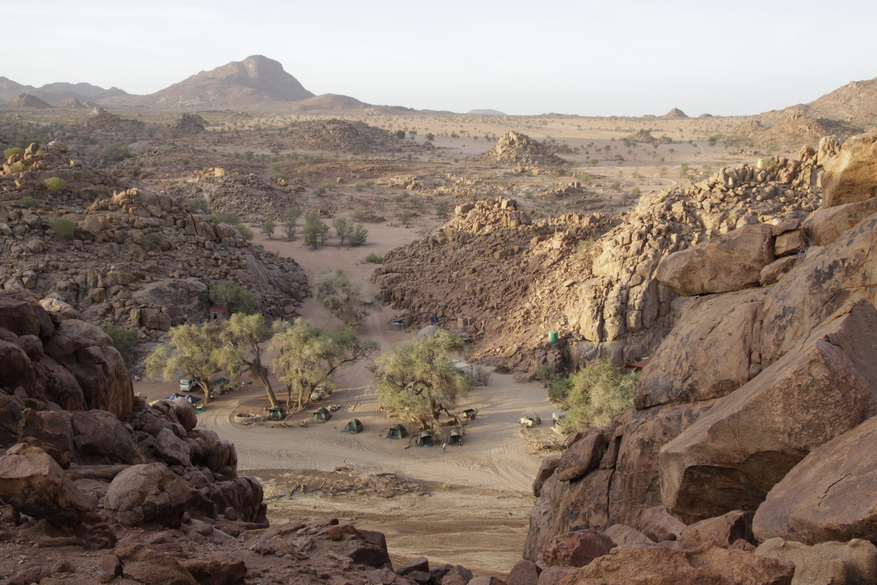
pixel 340 135
pixel 54 93
pixel 516 280
pixel 855 102
pixel 674 114
pixel 793 130
pixel 254 82
pixel 751 421
pixel 27 102
pixel 129 257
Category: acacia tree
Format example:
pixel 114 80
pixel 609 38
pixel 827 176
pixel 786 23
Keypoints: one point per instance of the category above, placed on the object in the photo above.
pixel 416 380
pixel 308 356
pixel 341 296
pixel 290 217
pixel 241 336
pixel 194 350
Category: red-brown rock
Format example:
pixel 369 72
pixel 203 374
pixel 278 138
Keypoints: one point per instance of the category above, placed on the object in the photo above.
pixel 830 495
pixel 750 439
pixel 658 565
pixel 582 456
pixel 150 493
pixel 577 549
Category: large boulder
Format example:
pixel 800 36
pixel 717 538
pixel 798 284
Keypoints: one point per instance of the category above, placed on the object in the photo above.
pixel 582 456
pixel 732 261
pixel 830 495
pixel 826 280
pixel 21 315
pixel 577 549
pixel 834 563
pixel 622 489
pixel 10 415
pixel 719 334
pixel 825 225
pixel 171 449
pixel 750 439
pixel 658 565
pixel 100 437
pixel 145 494
pixel 89 354
pixel 62 387
pixel 34 484
pixel 51 431
pixel 851 175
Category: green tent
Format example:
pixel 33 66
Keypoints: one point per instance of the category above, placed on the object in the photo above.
pixel 397 432
pixel 354 426
pixel 455 437
pixel 321 415
pixel 425 439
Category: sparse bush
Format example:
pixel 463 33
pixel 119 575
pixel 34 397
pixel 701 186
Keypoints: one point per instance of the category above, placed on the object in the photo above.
pixel 290 217
pixel 315 231
pixel 343 228
pixel 400 134
pixel 246 232
pixel 123 340
pixel 405 217
pixel 357 238
pixel 341 296
pixel 440 211
pixel 16 167
pixel 268 228
pixel 595 394
pixel 12 151
pixel 55 185
pixel 374 258
pixel 198 204
pixel 225 217
pixel 150 242
pixel 769 163
pixel 135 170
pixel 63 228
pixel 235 298
pixel 28 201
pixel 117 152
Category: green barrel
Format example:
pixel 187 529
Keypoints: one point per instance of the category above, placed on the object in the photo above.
pixel 552 337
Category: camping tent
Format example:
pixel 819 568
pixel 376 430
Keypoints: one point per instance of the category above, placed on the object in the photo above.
pixel 455 437
pixel 321 415
pixel 354 426
pixel 425 439
pixel 189 397
pixel 397 432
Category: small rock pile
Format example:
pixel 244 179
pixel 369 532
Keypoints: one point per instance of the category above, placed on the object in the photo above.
pixel 340 135
pixel 645 137
pixel 70 103
pixel 456 187
pixel 189 124
pixel 519 149
pixel 134 258
pixel 100 119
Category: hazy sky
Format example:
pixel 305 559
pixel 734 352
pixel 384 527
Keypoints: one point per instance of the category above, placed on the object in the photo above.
pixel 589 57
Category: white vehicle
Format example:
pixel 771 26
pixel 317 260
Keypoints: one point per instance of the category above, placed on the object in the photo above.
pixel 189 385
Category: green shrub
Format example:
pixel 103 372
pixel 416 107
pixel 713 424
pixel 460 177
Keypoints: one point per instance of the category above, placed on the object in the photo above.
pixel 12 151
pixel 63 228
pixel 16 167
pixel 441 211
pixel 117 152
pixel 55 185
pixel 595 394
pixel 237 299
pixel 246 232
pixel 357 238
pixel 135 170
pixel 374 258
pixel 198 204
pixel 124 341
pixel 28 201
pixel 225 217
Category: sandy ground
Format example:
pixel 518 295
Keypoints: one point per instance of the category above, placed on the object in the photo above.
pixel 476 501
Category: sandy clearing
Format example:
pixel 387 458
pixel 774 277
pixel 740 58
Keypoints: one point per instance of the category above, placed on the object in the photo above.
pixel 478 517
